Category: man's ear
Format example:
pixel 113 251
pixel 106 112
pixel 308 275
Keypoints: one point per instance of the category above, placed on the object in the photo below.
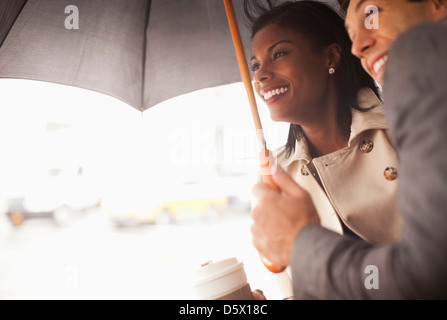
pixel 439 9
pixel 333 52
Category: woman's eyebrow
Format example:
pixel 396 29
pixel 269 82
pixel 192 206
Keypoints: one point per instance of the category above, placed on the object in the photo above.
pixel 270 49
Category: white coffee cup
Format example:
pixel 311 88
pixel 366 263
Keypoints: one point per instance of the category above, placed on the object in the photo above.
pixel 222 280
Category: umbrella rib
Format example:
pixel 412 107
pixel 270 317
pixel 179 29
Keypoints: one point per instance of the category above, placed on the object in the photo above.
pixel 146 24
pixel 5 10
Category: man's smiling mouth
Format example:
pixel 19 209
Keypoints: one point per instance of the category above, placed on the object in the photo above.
pixel 379 64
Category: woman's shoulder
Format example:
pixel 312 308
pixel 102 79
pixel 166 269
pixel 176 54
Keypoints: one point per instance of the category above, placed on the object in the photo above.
pixel 369 113
pixel 367 100
pixel 280 154
pixel 285 157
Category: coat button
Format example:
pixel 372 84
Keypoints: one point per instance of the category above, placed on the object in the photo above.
pixel 390 173
pixel 304 171
pixel 366 146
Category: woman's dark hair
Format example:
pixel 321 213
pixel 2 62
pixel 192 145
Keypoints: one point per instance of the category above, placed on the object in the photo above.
pixel 322 26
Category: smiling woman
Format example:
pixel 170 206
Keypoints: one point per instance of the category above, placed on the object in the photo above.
pixel 320 43
pixel 337 148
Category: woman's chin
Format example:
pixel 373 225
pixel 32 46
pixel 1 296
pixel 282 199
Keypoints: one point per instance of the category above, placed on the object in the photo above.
pixel 277 117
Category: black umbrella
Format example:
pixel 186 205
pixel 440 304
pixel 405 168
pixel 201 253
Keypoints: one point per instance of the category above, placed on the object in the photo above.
pixel 139 51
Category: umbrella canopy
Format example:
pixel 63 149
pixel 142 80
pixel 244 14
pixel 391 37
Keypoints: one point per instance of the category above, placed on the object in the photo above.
pixel 139 51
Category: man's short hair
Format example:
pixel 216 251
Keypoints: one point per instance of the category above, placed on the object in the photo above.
pixel 344 4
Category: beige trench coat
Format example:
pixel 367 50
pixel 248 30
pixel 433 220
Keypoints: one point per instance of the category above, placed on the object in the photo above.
pixel 357 184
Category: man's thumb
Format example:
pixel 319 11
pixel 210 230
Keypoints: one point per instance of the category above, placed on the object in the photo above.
pixel 285 182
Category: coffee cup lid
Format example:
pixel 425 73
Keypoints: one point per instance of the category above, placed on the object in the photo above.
pixel 214 279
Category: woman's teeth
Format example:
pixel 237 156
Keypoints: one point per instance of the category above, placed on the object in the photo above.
pixel 271 93
pixel 379 64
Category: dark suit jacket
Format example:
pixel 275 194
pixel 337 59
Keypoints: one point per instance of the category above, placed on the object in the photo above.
pixel 326 265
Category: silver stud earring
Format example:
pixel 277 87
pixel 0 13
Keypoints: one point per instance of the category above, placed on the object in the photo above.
pixel 331 71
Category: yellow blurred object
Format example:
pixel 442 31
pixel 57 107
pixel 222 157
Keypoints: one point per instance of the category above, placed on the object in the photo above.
pixel 190 208
pixel 187 202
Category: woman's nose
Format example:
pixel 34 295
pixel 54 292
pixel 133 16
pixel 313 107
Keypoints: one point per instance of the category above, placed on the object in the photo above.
pixel 262 74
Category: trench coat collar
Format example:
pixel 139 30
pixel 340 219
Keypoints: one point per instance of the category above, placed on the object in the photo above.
pixel 370 116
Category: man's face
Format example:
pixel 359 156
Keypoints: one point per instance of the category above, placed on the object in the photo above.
pixel 374 25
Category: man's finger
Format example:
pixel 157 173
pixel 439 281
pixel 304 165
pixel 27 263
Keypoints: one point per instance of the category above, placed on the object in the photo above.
pixel 260 189
pixel 286 183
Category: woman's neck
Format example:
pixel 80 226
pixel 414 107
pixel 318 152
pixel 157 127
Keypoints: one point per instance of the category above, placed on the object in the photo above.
pixel 327 135
pixel 325 141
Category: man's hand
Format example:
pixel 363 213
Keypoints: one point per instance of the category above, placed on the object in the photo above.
pixel 278 217
pixel 258 295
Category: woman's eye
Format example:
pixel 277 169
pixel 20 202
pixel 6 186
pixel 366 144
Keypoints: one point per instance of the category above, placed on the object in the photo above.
pixel 254 67
pixel 278 54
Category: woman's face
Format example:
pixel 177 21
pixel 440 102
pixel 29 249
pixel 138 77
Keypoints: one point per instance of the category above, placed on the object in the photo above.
pixel 288 75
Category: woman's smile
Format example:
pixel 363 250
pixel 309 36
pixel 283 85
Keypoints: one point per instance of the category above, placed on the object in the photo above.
pixel 271 94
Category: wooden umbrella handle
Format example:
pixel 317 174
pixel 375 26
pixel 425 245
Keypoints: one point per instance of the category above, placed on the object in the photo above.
pixel 243 66
pixel 246 79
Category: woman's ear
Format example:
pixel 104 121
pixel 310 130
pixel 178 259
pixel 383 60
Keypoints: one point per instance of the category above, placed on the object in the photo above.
pixel 333 53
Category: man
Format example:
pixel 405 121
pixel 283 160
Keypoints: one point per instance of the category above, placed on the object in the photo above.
pixel 406 52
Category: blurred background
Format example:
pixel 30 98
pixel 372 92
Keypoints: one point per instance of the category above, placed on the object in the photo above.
pixel 101 201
